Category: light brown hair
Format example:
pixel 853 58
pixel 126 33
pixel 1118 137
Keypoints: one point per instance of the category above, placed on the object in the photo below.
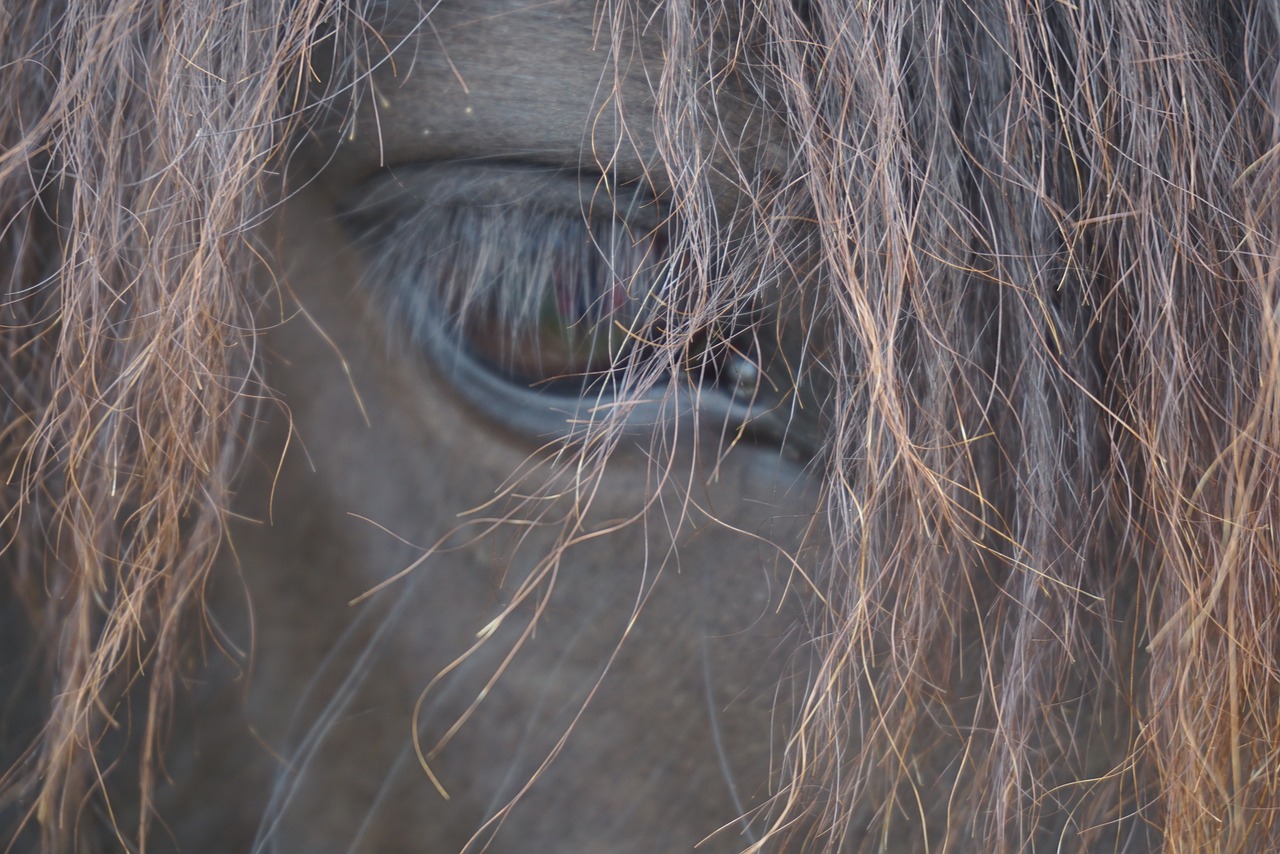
pixel 1040 243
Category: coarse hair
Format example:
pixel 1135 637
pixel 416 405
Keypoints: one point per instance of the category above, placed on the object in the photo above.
pixel 1036 243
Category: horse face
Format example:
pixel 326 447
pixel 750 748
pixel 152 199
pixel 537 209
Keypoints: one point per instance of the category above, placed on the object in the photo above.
pixel 425 596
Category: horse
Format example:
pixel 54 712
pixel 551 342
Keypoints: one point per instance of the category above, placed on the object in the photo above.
pixel 639 425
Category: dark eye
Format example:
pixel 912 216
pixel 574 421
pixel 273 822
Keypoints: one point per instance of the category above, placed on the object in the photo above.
pixel 566 308
pixel 542 280
pixel 535 293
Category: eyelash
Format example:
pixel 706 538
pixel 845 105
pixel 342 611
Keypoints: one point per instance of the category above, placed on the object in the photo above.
pixel 542 297
pixel 562 301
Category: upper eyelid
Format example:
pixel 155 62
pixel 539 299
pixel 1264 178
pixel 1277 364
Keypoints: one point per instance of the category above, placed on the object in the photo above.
pixel 404 191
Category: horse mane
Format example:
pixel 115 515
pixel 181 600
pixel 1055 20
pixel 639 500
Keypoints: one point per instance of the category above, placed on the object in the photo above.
pixel 1037 248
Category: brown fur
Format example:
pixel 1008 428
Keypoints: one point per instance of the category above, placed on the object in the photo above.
pixel 1039 241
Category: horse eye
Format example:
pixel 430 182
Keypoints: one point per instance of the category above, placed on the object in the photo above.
pixel 535 294
pixel 513 279
pixel 568 313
